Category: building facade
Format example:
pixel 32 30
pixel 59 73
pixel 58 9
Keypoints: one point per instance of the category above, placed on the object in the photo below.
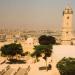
pixel 66 36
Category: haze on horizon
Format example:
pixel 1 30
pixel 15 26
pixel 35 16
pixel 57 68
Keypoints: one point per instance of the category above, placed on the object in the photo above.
pixel 33 14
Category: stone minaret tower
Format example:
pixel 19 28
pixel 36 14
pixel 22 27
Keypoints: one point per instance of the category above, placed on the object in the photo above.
pixel 66 35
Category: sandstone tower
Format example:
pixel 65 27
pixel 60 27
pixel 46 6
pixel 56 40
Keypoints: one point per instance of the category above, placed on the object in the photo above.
pixel 66 35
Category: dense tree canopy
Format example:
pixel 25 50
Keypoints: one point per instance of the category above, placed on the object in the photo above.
pixel 52 40
pixel 12 49
pixel 46 40
pixel 42 49
pixel 45 47
pixel 66 66
pixel 45 50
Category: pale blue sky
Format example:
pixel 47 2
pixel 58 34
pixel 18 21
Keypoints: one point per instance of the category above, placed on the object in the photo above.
pixel 33 13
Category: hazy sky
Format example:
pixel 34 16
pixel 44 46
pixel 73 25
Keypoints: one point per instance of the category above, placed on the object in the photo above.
pixel 33 13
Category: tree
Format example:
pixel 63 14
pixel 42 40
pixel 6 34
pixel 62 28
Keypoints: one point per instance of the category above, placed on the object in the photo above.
pixel 66 66
pixel 52 40
pixel 46 40
pixel 12 49
pixel 45 47
pixel 45 50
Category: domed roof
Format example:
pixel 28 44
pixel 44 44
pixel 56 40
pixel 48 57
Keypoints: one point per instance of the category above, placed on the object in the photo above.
pixel 68 10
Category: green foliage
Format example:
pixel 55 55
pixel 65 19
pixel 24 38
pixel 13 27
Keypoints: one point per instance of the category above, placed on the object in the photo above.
pixel 12 49
pixel 46 40
pixel 42 49
pixel 52 40
pixel 45 47
pixel 66 66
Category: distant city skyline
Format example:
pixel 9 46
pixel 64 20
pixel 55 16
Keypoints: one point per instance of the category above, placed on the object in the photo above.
pixel 33 14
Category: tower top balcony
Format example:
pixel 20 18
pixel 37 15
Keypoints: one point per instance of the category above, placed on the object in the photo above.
pixel 68 10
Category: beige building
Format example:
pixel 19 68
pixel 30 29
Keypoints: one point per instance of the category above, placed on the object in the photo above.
pixel 66 36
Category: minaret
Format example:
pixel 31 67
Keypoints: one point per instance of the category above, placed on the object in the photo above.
pixel 66 35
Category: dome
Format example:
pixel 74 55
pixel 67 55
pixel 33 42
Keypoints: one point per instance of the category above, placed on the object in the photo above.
pixel 68 10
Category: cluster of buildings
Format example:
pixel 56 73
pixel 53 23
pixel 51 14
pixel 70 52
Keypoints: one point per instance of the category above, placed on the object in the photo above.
pixel 30 38
pixel 65 36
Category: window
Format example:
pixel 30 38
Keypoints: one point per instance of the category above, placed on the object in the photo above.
pixel 68 17
pixel 66 32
